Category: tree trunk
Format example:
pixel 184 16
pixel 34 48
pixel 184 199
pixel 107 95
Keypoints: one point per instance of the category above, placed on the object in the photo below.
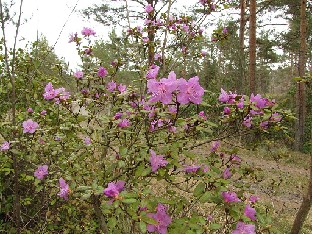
pixel 301 85
pixel 151 36
pixel 241 80
pixel 252 47
pixel 307 199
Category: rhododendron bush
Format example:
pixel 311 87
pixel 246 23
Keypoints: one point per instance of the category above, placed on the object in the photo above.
pixel 106 157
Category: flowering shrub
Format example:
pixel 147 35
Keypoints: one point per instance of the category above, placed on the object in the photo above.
pixel 122 160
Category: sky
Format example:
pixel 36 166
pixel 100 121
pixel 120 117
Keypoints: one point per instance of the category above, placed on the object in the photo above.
pixel 46 17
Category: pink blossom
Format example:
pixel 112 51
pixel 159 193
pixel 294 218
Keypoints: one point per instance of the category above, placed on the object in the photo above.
pixel 202 115
pixel 145 39
pixel 30 110
pixel 118 115
pixel 276 117
pixel 243 228
pixel 224 30
pixel 161 90
pixel 157 161
pixel 253 199
pixel 227 173
pixel 5 146
pixel 102 72
pixel 43 112
pixel 214 146
pixel 49 92
pixel 64 189
pixel 30 126
pixel 41 172
pixel 73 37
pixel 122 88
pixel 191 168
pixel 111 86
pixel 87 140
pixel 226 110
pixel 152 72
pixel 88 32
pixel 162 218
pixel 247 121
pixel 224 96
pixel 203 53
pixel 235 159
pixel 258 100
pixel 113 189
pixel 185 28
pixel 149 8
pixel 190 91
pixel 230 197
pixel 240 104
pixel 157 56
pixel 264 124
pixel 250 212
pixel 78 74
pixel 123 123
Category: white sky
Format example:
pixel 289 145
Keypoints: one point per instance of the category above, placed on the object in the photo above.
pixel 47 17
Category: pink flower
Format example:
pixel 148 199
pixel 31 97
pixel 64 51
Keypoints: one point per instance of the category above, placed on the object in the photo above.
pixel 145 39
pixel 49 92
pixel 162 218
pixel 102 72
pixel 78 74
pixel 30 126
pixel 73 37
pixel 185 28
pixel 226 110
pixel 224 96
pixel 202 115
pixel 214 146
pixel 87 140
pixel 118 115
pixel 113 189
pixel 250 212
pixel 64 189
pixel 43 112
pixel 247 121
pixel 191 168
pixel 123 123
pixel 41 172
pixel 161 90
pixel 122 88
pixel 225 31
pixel 243 228
pixel 230 197
pixel 157 161
pixel 152 72
pixel 227 173
pixel 88 32
pixel 111 86
pixel 203 53
pixel 190 91
pixel 5 146
pixel 148 8
pixel 258 100
pixel 30 110
pixel 253 199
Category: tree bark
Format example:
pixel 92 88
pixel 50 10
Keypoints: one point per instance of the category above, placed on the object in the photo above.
pixel 300 99
pixel 98 213
pixel 252 47
pixel 241 80
pixel 151 36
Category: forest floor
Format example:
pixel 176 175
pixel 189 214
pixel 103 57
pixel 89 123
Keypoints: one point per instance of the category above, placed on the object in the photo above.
pixel 281 180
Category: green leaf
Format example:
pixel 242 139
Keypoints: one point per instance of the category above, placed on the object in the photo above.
pixel 83 188
pixel 86 196
pixel 149 220
pixel 215 226
pixel 200 189
pixel 143 227
pixel 129 200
